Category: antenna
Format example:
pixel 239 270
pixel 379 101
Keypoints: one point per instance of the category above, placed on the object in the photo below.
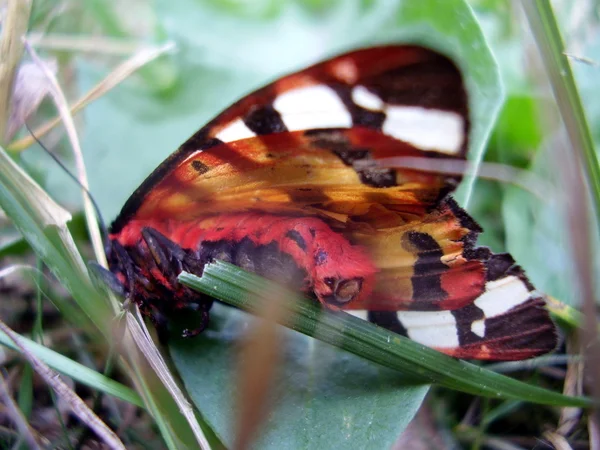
pixel 101 222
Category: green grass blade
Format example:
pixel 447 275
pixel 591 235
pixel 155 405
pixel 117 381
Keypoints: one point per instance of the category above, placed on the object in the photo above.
pixel 548 37
pixel 236 287
pixel 43 224
pixel 74 370
pixel 14 27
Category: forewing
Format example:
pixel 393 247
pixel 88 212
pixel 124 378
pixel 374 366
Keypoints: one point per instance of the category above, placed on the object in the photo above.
pixel 293 145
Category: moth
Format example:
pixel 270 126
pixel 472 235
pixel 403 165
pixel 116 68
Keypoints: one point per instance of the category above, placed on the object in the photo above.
pixel 284 183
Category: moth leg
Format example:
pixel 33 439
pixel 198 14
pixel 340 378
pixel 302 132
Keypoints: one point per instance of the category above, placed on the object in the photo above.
pixel 101 275
pixel 200 306
pixel 160 321
pixel 125 262
pixel 171 260
pixel 167 255
pixel 192 332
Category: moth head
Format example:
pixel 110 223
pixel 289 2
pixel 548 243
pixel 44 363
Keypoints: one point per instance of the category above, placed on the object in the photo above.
pixel 344 274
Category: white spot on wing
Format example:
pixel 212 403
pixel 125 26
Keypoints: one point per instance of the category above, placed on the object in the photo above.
pixel 502 295
pixel 426 129
pixel 431 328
pixel 478 327
pixel 235 131
pixel 363 97
pixel 311 108
pixel 360 313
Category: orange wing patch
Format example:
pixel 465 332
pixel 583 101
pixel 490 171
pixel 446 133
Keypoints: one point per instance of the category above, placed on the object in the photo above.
pixel 290 174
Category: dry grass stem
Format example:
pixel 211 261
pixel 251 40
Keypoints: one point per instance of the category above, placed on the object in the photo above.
pixel 85 44
pixel 67 118
pixel 146 346
pixel 570 417
pixel 20 421
pixel 258 359
pixel 76 405
pixel 558 442
pixel 113 79
pixel 14 27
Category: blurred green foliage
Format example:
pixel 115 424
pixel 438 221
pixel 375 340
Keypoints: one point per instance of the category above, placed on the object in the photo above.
pixel 226 48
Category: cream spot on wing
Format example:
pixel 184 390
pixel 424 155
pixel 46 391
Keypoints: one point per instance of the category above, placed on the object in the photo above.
pixel 312 107
pixel 235 131
pixel 478 327
pixel 363 97
pixel 502 295
pixel 431 328
pixel 426 129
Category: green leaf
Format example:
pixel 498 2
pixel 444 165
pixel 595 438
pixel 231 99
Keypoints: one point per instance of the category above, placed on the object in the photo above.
pixel 323 397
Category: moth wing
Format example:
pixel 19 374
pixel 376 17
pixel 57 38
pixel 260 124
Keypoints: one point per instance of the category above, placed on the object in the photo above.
pixel 436 287
pixel 292 146
pixel 302 145
pixel 507 321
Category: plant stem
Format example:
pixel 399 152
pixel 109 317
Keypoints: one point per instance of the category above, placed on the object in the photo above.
pixel 14 28
pixel 548 38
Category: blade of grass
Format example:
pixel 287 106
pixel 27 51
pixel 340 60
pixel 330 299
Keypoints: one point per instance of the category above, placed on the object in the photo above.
pixel 25 395
pixel 154 357
pixel 14 28
pixel 13 247
pixel 43 223
pixel 581 160
pixel 77 405
pixel 244 290
pixel 548 38
pixel 62 106
pixel 73 369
